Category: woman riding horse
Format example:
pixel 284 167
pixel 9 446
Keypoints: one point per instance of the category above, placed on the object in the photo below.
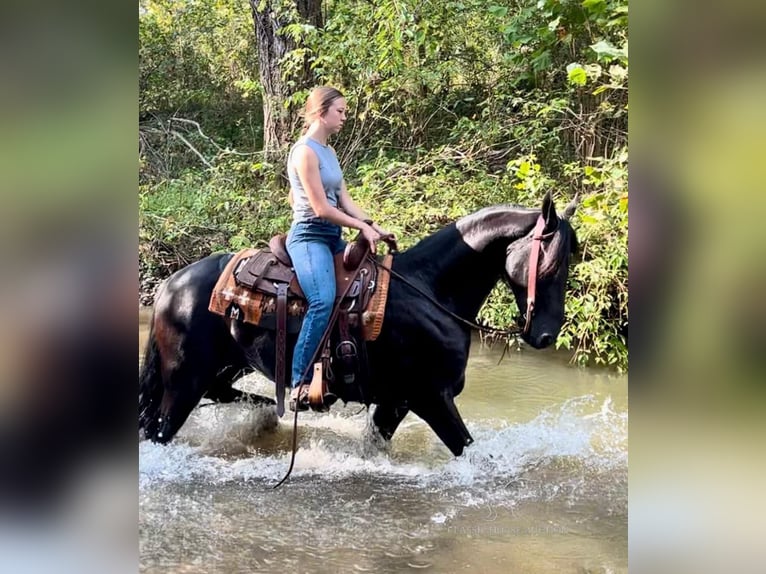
pixel 418 361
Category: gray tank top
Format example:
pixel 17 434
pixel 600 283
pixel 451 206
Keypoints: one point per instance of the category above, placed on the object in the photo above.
pixel 329 172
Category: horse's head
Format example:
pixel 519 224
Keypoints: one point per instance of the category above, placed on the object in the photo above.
pixel 554 240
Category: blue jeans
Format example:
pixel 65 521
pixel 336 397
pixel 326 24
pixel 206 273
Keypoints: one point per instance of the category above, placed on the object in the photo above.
pixel 312 245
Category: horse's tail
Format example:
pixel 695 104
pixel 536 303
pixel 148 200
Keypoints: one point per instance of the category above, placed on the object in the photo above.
pixel 150 387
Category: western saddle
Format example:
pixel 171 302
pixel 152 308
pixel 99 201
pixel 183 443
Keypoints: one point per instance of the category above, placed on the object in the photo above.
pixel 260 287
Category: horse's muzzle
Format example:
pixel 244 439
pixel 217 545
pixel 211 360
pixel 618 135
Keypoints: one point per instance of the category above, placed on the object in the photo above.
pixel 545 340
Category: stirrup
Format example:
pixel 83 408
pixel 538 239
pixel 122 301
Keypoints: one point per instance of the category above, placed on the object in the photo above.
pixel 319 397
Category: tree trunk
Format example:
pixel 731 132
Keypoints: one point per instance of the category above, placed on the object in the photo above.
pixel 270 17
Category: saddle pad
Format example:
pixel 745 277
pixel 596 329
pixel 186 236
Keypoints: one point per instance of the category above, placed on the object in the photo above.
pixel 236 302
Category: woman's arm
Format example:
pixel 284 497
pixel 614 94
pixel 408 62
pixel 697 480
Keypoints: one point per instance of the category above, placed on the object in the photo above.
pixel 307 167
pixel 350 207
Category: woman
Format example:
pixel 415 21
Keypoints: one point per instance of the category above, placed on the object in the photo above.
pixel 321 207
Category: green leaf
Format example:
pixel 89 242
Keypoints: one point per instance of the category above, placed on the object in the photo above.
pixel 624 204
pixel 576 74
pixel 588 219
pixel 605 50
pixel 601 89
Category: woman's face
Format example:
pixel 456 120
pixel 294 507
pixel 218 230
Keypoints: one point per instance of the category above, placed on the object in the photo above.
pixel 335 116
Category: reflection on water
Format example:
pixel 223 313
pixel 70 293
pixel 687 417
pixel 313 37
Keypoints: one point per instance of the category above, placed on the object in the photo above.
pixel 543 488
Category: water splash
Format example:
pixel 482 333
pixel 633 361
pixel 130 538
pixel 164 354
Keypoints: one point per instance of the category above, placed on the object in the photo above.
pixel 580 439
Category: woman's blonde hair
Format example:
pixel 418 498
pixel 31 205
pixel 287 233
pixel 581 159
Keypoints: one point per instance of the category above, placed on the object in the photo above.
pixel 318 103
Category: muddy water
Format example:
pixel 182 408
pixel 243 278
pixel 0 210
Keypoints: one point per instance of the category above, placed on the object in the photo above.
pixel 543 488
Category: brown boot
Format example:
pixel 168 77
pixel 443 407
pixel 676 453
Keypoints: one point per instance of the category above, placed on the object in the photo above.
pixel 299 398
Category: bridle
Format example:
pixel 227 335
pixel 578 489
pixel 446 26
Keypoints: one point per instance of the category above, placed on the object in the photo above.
pixel 534 259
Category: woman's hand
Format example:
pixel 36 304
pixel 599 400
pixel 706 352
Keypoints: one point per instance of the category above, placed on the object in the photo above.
pixel 387 237
pixel 371 235
pixel 383 232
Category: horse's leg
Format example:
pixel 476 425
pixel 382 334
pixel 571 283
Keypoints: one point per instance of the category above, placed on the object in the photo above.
pixel 442 416
pixel 175 409
pixel 386 419
pixel 221 390
pixel 189 371
pixel 187 385
pixel 231 395
pixel 151 387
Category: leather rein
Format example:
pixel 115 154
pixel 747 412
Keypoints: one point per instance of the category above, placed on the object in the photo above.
pixel 534 258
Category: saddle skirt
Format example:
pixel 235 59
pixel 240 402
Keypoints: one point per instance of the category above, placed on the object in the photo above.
pixel 247 290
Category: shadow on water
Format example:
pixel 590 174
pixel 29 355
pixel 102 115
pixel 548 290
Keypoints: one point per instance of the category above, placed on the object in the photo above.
pixel 543 488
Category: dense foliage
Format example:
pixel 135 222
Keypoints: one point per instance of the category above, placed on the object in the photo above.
pixel 455 104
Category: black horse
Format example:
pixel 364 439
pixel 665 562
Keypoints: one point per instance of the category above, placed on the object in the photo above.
pixel 418 361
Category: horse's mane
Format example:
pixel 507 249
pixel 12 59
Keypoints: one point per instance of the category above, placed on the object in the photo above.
pixel 442 238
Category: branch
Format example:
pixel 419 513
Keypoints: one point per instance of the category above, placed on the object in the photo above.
pixel 199 129
pixel 211 140
pixel 191 147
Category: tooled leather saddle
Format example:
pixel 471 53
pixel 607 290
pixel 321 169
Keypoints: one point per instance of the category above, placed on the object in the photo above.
pixel 260 287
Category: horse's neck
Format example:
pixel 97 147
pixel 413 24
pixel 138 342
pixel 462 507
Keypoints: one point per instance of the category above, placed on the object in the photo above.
pixel 461 263
pixel 464 278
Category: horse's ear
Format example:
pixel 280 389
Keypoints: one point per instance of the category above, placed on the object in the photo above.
pixel 570 208
pixel 549 213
